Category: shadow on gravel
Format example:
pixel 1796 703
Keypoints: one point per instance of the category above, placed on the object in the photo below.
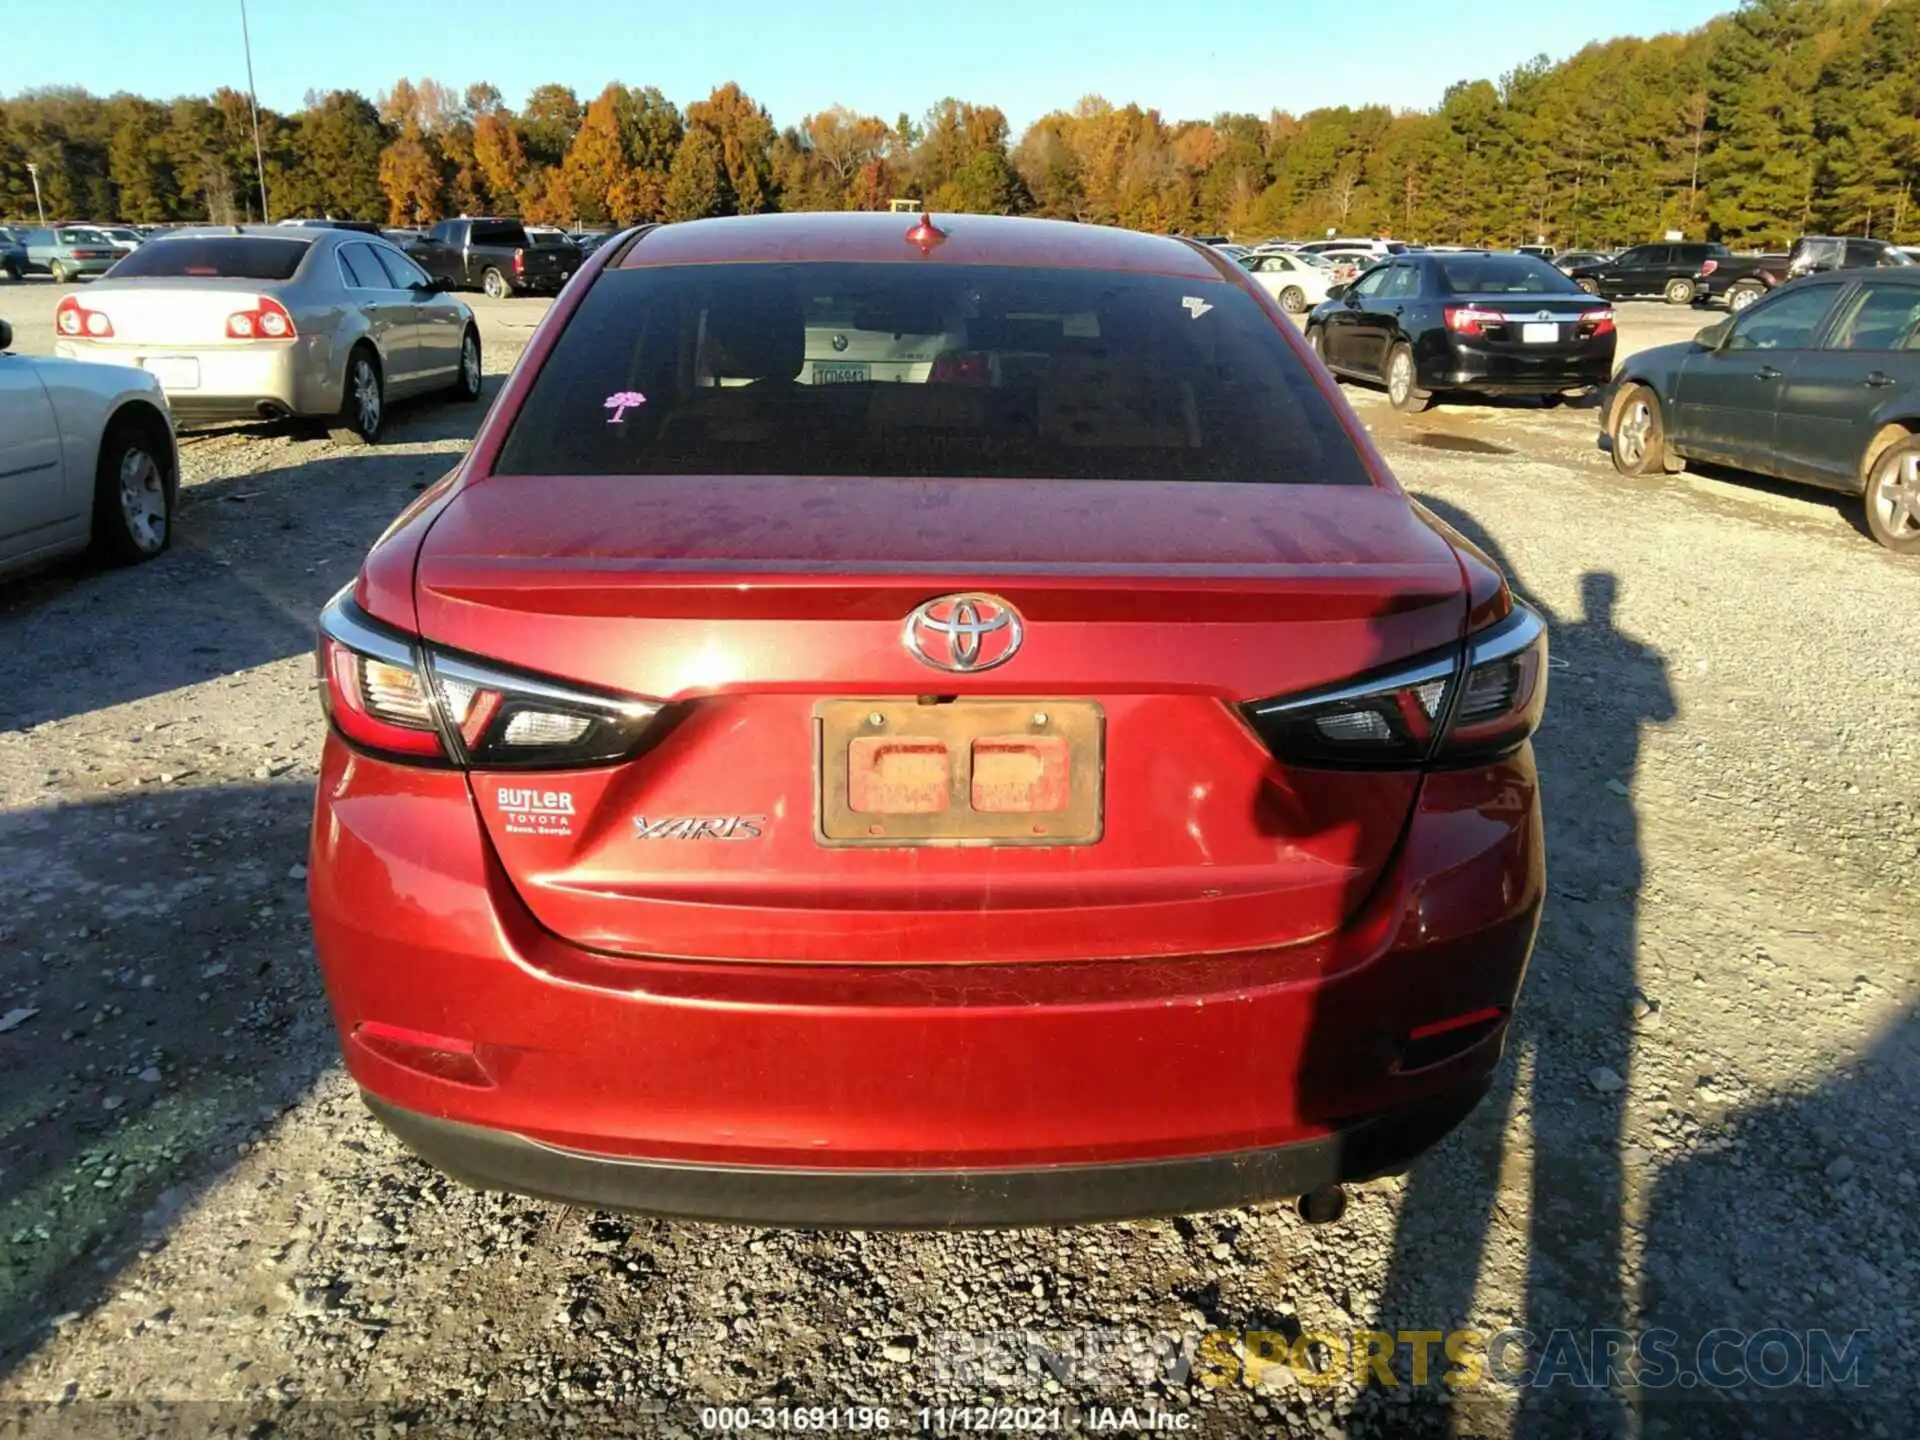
pixel 1576 1016
pixel 161 944
pixel 1847 507
pixel 1796 1175
pixel 255 556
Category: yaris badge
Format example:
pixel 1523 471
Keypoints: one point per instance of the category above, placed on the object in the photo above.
pixel 964 633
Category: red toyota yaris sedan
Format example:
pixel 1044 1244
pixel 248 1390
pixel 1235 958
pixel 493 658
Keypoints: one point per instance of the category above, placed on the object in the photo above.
pixel 940 722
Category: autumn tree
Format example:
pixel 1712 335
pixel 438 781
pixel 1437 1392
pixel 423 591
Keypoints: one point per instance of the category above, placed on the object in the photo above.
pixel 410 177
pixel 745 136
pixel 697 184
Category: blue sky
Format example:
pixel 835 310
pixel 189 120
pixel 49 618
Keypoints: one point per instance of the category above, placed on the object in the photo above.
pixel 796 56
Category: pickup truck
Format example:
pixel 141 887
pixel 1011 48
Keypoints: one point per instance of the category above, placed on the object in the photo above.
pixel 1742 279
pixel 493 255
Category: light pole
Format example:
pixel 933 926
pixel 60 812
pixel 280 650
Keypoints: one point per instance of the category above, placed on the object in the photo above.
pixel 253 105
pixel 33 171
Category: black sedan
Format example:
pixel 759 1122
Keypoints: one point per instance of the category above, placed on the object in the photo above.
pixel 1468 321
pixel 1819 382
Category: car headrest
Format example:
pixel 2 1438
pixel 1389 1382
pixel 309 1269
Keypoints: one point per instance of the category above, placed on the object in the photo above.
pixel 757 334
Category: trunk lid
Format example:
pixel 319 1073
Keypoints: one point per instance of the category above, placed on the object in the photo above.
pixel 160 312
pixel 750 604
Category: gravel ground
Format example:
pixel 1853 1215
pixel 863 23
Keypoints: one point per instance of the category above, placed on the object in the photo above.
pixel 1706 1118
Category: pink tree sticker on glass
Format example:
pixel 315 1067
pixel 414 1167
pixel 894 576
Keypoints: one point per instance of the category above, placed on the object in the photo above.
pixel 620 402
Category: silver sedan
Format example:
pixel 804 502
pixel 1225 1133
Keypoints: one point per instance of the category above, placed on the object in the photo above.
pixel 261 322
pixel 86 458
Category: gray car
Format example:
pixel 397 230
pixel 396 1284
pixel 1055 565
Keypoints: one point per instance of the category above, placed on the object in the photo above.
pixel 68 252
pixel 264 322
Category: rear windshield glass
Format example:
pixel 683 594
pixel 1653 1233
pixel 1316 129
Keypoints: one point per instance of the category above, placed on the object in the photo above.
pixel 1504 275
pixel 936 370
pixel 497 234
pixel 236 257
pixel 79 237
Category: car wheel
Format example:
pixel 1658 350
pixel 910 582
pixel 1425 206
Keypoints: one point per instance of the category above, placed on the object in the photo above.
pixel 1592 287
pixel 1743 295
pixel 1293 299
pixel 1679 291
pixel 1636 434
pixel 61 275
pixel 1403 388
pixel 495 284
pixel 467 386
pixel 1552 402
pixel 133 495
pixel 1317 342
pixel 1893 498
pixel 14 272
pixel 363 401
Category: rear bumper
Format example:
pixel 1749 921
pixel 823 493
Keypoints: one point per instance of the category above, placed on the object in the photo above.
pixel 1489 372
pixel 943 1093
pixel 260 381
pixel 928 1199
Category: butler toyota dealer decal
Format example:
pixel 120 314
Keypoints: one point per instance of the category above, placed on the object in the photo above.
pixel 535 812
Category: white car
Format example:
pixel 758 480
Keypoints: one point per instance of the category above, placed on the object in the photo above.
pixel 87 458
pixel 123 238
pixel 1348 264
pixel 1297 283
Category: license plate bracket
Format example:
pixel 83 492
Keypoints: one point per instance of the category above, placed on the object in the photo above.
pixel 841 372
pixel 967 772
pixel 174 372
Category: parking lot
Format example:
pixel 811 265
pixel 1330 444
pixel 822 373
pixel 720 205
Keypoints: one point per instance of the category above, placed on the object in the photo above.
pixel 1705 1120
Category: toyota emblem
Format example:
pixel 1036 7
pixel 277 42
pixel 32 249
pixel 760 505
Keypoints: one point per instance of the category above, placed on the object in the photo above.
pixel 964 633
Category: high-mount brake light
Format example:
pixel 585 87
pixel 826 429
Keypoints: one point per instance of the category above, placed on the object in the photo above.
pixel 1467 704
pixel 394 696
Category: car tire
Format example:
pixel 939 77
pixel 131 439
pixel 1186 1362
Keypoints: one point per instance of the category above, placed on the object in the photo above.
pixel 1293 300
pixel 1317 342
pixel 133 493
pixel 1679 291
pixel 467 384
pixel 1637 433
pixel 1592 287
pixel 14 272
pixel 1743 295
pixel 61 275
pixel 1552 402
pixel 1403 382
pixel 1893 497
pixel 495 284
pixel 363 401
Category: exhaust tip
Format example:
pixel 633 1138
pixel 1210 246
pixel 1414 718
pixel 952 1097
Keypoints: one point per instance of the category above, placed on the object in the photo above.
pixel 1323 1206
pixel 271 410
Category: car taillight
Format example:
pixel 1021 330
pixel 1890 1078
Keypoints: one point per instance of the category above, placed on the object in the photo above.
pixel 969 369
pixel 1707 267
pixel 1472 319
pixel 1472 703
pixel 519 262
pixel 269 320
pixel 70 317
pixel 1597 322
pixel 389 694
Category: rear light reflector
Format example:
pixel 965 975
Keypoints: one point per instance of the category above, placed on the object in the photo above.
pixel 268 320
pixel 1469 704
pixel 72 318
pixel 519 262
pixel 1429 1045
pixel 1473 319
pixel 389 694
pixel 438 1056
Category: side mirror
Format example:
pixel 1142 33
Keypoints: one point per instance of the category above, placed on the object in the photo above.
pixel 1710 338
pixel 1337 292
pixel 6 336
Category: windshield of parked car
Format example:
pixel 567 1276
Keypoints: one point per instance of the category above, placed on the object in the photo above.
pixel 1504 275
pixel 938 370
pixel 227 257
